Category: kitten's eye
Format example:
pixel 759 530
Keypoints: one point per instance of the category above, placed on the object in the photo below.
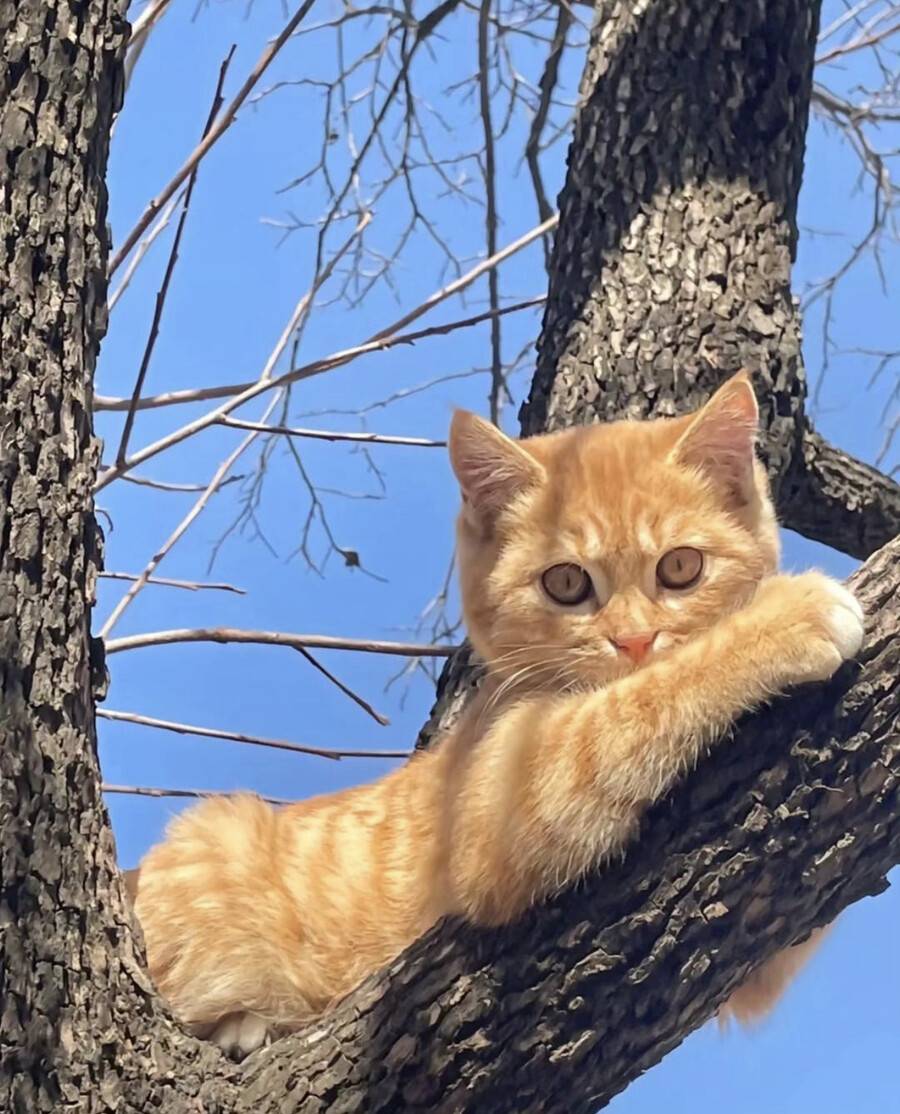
pixel 567 584
pixel 680 568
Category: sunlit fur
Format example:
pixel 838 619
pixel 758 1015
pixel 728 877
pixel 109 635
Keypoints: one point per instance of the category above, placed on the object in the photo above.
pixel 256 919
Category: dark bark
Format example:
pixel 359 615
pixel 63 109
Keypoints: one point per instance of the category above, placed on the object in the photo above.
pixel 788 822
pixel 782 827
pixel 71 985
pixel 833 498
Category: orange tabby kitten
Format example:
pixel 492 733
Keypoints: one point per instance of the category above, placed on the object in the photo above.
pixel 619 582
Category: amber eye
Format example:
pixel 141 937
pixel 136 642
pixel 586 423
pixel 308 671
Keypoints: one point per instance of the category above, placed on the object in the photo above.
pixel 680 568
pixel 567 584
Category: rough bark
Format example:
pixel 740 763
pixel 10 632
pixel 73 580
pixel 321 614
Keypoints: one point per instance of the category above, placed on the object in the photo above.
pixel 787 823
pixel 839 500
pixel 70 983
pixel 794 818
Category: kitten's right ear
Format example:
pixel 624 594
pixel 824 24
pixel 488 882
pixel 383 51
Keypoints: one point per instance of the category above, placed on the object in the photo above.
pixel 492 469
pixel 720 440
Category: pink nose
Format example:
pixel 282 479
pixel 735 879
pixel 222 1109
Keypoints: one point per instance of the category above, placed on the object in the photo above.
pixel 636 646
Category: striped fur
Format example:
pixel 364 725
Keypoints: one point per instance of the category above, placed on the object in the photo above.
pixel 257 919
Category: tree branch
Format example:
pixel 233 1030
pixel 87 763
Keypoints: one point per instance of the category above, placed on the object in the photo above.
pixel 222 124
pixel 331 753
pixel 840 501
pixel 788 822
pixel 275 638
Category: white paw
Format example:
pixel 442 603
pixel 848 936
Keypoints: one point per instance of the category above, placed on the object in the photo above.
pixel 239 1034
pixel 845 620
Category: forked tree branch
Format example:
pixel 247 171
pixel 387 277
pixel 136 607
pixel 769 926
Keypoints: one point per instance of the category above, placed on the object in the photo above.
pixel 212 136
pixel 838 500
pixel 789 821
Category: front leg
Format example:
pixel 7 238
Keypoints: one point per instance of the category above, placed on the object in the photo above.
pixel 558 783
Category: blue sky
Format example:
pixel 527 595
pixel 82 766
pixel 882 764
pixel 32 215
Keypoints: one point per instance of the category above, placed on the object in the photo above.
pixel 236 284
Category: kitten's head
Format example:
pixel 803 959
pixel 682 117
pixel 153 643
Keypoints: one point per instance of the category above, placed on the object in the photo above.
pixel 586 553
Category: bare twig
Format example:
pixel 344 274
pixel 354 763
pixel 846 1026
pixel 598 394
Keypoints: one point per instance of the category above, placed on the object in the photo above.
pixel 190 585
pixel 460 284
pixel 163 291
pixel 208 492
pixel 376 342
pixel 202 794
pixel 490 186
pixel 225 120
pixel 345 689
pixel 394 396
pixel 225 467
pixel 140 33
pixel 251 740
pixel 166 485
pixel 860 42
pixel 547 85
pixel 326 435
pixel 275 638
pixel 207 394
pixel 162 223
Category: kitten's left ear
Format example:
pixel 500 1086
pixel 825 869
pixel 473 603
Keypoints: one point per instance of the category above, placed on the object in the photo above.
pixel 492 469
pixel 720 440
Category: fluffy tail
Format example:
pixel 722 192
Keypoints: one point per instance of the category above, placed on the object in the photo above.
pixel 757 996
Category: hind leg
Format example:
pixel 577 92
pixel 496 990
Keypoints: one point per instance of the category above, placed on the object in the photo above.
pixel 239 1034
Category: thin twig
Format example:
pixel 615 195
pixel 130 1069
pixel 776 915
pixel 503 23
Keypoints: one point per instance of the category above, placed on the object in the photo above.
pixel 326 435
pixel 207 394
pixel 547 85
pixel 211 488
pixel 275 638
pixel 226 119
pixel 345 689
pixel 165 485
pixel 378 341
pixel 163 291
pixel 140 33
pixel 190 585
pixel 225 467
pixel 161 225
pixel 861 42
pixel 394 396
pixel 202 794
pixel 490 186
pixel 460 284
pixel 240 737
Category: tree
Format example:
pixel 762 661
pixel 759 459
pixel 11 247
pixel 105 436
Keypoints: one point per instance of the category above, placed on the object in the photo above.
pixel 799 814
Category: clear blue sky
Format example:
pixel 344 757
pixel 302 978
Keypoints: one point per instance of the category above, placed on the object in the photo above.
pixel 829 1047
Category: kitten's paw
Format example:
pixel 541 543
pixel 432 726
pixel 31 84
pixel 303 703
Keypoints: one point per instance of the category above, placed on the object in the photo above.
pixel 239 1034
pixel 844 619
pixel 822 621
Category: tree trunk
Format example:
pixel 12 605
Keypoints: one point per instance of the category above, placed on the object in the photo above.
pixel 71 985
pixel 702 105
pixel 672 264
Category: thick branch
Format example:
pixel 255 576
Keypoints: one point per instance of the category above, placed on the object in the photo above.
pixel 836 499
pixel 788 822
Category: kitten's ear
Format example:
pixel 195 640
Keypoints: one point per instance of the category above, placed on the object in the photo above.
pixel 720 440
pixel 491 468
